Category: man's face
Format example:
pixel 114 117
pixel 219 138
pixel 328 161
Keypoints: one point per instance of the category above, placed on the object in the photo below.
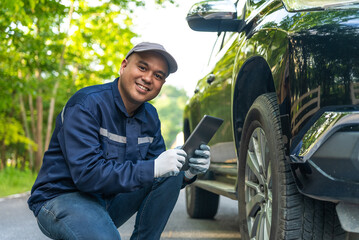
pixel 141 78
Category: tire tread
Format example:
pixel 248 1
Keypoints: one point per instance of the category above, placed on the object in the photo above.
pixel 300 217
pixel 203 205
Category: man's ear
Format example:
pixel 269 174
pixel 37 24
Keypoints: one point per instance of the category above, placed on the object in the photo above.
pixel 123 65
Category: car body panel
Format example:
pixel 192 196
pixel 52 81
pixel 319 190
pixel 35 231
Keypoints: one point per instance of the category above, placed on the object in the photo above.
pixel 309 58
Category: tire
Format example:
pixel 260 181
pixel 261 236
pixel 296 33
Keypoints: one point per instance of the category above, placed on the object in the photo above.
pixel 320 221
pixel 201 203
pixel 269 204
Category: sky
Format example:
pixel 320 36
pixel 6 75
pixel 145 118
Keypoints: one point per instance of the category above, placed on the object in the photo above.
pixel 168 27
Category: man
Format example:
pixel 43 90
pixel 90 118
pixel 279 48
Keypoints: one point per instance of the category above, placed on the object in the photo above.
pixel 107 159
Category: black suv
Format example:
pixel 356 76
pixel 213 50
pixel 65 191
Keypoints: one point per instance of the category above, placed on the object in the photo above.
pixel 284 76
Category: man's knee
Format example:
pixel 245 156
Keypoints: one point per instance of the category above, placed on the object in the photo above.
pixel 175 181
pixel 76 216
pixel 169 187
pixel 77 227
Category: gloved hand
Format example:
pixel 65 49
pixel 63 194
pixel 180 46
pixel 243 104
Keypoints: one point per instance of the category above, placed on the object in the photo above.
pixel 169 163
pixel 199 163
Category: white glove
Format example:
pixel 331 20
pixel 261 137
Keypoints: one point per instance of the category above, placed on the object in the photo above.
pixel 169 163
pixel 199 163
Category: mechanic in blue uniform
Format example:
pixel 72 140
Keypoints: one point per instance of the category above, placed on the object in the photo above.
pixel 107 159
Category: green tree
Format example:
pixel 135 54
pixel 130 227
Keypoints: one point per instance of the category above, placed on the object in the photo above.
pixel 48 50
pixel 170 104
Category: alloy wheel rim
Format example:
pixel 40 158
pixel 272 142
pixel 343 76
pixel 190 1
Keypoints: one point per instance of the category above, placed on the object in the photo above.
pixel 258 187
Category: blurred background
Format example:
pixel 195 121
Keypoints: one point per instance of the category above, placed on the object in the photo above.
pixel 51 48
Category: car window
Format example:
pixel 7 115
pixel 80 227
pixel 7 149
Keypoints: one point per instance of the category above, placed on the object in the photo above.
pixel 253 6
pixel 220 43
pixel 216 47
pixel 240 5
pixel 221 47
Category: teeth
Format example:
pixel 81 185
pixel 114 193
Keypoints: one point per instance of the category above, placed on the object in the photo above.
pixel 142 87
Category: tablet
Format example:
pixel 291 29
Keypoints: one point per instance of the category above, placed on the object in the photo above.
pixel 202 134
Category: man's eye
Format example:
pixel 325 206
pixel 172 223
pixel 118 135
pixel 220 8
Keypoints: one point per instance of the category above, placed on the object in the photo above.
pixel 159 76
pixel 141 68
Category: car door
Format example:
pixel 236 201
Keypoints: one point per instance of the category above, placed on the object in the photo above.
pixel 215 95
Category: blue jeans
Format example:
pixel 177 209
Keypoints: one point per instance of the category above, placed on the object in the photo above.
pixel 83 216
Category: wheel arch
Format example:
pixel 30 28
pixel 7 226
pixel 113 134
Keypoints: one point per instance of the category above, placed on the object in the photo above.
pixel 253 79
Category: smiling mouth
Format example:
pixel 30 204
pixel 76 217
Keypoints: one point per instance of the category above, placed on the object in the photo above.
pixel 143 87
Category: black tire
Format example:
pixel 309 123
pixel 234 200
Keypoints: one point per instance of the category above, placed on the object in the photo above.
pixel 269 204
pixel 320 221
pixel 201 203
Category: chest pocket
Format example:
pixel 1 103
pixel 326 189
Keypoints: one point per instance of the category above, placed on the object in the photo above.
pixel 113 150
pixel 143 145
pixel 143 150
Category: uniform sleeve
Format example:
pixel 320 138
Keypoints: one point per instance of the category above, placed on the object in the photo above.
pixel 80 143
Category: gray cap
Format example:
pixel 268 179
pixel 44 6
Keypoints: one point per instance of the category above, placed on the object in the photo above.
pixel 147 46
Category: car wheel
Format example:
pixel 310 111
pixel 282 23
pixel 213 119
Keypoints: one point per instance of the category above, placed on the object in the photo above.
pixel 260 156
pixel 269 204
pixel 201 203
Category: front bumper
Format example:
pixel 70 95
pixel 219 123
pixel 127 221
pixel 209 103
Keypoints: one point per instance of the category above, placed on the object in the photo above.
pixel 325 162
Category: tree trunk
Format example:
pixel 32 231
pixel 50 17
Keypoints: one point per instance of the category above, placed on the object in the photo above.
pixel 56 86
pixel 16 158
pixel 27 131
pixel 39 108
pixel 31 106
pixel 51 116
pixel 23 163
pixel 3 155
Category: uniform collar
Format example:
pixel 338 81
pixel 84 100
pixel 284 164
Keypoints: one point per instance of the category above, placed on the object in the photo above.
pixel 140 112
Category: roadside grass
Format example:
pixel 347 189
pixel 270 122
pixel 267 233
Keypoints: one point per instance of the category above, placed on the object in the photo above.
pixel 14 181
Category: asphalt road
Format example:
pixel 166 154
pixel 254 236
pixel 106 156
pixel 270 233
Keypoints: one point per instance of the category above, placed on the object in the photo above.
pixel 18 223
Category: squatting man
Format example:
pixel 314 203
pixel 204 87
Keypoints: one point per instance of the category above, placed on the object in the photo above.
pixel 107 158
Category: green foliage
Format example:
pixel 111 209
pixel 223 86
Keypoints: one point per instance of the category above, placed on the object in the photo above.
pixel 48 50
pixel 11 132
pixel 13 181
pixel 170 104
pixel 100 40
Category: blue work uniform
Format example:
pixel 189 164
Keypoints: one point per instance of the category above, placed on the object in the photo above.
pixel 98 148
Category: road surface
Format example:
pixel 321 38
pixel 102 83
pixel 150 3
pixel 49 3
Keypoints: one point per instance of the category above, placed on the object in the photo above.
pixel 18 223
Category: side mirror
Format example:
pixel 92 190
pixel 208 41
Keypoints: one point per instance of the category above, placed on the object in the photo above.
pixel 214 16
